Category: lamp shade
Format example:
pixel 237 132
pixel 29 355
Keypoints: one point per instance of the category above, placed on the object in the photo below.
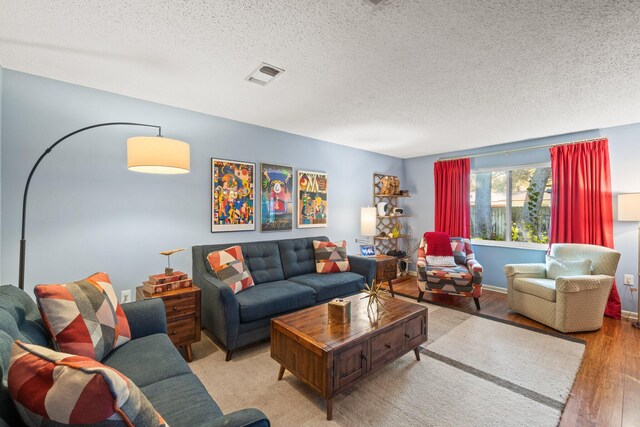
pixel 368 221
pixel 155 154
pixel 629 207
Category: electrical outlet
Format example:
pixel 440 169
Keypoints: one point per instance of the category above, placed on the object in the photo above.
pixel 628 279
pixel 125 296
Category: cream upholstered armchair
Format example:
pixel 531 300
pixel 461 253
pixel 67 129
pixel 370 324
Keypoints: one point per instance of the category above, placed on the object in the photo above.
pixel 565 303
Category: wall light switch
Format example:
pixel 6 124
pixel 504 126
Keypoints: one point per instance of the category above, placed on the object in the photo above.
pixel 628 279
pixel 125 296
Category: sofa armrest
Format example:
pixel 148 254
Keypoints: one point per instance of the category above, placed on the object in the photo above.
pixel 243 418
pixel 526 270
pixel 146 317
pixel 476 270
pixel 571 284
pixel 364 266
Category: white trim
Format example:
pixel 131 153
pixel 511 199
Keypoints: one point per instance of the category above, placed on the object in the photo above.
pixel 511 245
pixel 511 168
pixel 494 289
pixel 629 315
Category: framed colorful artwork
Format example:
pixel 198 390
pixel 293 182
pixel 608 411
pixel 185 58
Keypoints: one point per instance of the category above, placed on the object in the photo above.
pixel 312 210
pixel 276 189
pixel 232 195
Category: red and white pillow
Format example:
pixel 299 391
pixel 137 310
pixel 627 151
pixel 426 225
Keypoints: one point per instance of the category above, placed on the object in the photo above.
pixel 439 251
pixel 52 389
pixel 84 317
pixel 331 257
pixel 229 266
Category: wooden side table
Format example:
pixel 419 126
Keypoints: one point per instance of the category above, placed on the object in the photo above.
pixel 386 270
pixel 183 315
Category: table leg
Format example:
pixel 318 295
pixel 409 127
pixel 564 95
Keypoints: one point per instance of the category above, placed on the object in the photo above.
pixel 187 349
pixel 281 373
pixel 329 409
pixel 391 288
pixel 417 352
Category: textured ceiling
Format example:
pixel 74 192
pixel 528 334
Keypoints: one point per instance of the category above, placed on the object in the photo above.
pixel 406 78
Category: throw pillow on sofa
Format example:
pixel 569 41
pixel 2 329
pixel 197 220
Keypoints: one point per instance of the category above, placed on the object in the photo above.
pixel 84 317
pixel 557 267
pixel 439 252
pixel 331 257
pixel 52 389
pixel 229 266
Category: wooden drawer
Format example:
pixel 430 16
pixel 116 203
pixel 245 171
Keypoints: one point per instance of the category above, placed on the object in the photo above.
pixel 182 331
pixel 387 346
pixel 415 332
pixel 349 365
pixel 177 306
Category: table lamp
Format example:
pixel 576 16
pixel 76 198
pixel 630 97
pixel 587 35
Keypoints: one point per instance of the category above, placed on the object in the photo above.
pixel 629 210
pixel 368 221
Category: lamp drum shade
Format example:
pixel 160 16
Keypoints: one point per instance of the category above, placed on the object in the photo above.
pixel 629 207
pixel 368 221
pixel 156 154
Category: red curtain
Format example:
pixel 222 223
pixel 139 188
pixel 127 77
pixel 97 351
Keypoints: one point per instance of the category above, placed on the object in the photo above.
pixel 453 207
pixel 582 208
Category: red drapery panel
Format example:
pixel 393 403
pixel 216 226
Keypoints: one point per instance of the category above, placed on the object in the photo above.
pixel 453 207
pixel 582 208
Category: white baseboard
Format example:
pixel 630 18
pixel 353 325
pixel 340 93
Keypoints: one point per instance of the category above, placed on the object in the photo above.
pixel 494 289
pixel 631 315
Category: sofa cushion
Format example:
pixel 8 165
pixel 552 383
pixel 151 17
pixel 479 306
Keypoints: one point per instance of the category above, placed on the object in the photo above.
pixel 557 267
pixel 53 389
pixel 543 288
pixel 269 299
pixel 230 268
pixel 329 286
pixel 263 260
pixel 148 360
pixel 84 317
pixel 298 256
pixel 331 257
pixel 182 401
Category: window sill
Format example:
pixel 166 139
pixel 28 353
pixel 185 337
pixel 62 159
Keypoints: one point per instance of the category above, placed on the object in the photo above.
pixel 512 245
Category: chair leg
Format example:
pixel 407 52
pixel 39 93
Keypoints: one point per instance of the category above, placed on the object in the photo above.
pixel 477 301
pixel 420 295
pixel 228 356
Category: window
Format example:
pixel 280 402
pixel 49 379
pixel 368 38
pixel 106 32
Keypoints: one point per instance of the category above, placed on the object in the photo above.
pixel 512 205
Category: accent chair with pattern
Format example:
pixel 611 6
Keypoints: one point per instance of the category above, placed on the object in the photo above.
pixel 463 279
pixel 564 300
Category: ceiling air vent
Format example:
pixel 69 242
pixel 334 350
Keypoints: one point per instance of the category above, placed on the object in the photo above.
pixel 264 74
pixel 376 2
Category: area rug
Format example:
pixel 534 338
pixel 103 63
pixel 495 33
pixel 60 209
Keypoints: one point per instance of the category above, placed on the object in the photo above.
pixel 475 371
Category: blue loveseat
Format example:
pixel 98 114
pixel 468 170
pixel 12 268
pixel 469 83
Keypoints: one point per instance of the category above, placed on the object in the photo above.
pixel 284 273
pixel 150 360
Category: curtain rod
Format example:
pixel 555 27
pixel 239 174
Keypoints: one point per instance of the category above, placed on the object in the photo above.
pixel 506 152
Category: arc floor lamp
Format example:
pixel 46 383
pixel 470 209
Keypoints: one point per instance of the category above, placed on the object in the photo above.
pixel 146 154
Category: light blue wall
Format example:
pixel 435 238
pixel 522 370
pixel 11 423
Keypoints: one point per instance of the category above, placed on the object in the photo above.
pixel 624 147
pixel 88 213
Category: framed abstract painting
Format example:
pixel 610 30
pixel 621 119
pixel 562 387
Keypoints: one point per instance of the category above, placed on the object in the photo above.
pixel 232 195
pixel 276 197
pixel 312 210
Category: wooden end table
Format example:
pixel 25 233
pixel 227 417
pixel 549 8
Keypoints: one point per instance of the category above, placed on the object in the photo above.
pixel 386 270
pixel 331 358
pixel 182 307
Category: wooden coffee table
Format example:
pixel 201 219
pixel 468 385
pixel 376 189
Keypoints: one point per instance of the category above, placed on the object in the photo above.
pixel 332 357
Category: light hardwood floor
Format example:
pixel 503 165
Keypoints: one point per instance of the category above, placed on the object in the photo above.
pixel 607 389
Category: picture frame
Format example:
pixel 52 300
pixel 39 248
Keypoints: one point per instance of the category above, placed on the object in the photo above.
pixel 232 195
pixel 312 210
pixel 276 197
pixel 367 250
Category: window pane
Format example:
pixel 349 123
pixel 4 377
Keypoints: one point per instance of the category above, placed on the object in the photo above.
pixel 488 205
pixel 530 204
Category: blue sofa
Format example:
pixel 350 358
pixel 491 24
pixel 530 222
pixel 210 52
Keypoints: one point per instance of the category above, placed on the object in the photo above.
pixel 150 360
pixel 284 273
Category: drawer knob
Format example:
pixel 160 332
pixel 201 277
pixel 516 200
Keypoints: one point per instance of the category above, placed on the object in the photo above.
pixel 387 345
pixel 173 332
pixel 175 308
pixel 407 336
pixel 363 357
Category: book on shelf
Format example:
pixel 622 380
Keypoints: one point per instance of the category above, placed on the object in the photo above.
pixel 159 279
pixel 152 288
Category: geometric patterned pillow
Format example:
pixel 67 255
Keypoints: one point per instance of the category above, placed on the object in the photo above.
pixel 331 257
pixel 230 268
pixel 84 317
pixel 458 248
pixel 53 389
